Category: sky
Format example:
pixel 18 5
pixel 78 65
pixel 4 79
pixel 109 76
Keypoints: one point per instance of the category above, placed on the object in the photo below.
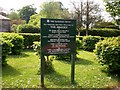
pixel 18 4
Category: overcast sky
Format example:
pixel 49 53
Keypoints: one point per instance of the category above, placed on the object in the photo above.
pixel 18 4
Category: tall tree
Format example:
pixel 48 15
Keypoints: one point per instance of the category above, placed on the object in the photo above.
pixel 35 19
pixel 113 7
pixel 87 13
pixel 53 9
pixel 78 10
pixel 3 12
pixel 13 15
pixel 26 12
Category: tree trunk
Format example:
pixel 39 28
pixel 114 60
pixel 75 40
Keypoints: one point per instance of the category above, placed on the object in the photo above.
pixel 78 33
pixel 87 19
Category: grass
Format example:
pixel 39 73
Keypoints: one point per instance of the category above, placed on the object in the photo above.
pixel 21 72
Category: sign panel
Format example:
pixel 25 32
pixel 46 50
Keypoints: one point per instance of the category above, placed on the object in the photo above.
pixel 58 36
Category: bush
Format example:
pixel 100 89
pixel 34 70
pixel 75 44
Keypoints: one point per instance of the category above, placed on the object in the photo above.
pixel 79 37
pixel 6 49
pixel 78 44
pixel 108 53
pixel 29 38
pixel 48 66
pixel 14 28
pixel 17 41
pixel 28 28
pixel 89 42
pixel 101 32
pixel 37 48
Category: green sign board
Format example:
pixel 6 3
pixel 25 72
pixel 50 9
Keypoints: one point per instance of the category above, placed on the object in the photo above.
pixel 58 36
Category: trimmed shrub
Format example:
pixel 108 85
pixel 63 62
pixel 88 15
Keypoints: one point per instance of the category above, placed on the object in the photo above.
pixel 14 28
pixel 29 38
pixel 17 41
pixel 88 42
pixel 79 37
pixel 6 49
pixel 78 44
pixel 28 28
pixel 37 48
pixel 101 32
pixel 108 53
pixel 48 66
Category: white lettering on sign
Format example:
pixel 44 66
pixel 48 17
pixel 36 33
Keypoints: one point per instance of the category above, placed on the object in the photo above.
pixel 58 40
pixel 59 51
pixel 56 45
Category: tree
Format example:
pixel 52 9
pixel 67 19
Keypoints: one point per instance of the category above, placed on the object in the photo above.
pixel 35 19
pixel 15 18
pixel 13 15
pixel 78 15
pixel 26 12
pixel 53 9
pixel 3 12
pixel 87 13
pixel 113 7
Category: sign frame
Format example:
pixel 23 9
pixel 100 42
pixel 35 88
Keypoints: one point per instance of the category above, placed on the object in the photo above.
pixel 58 37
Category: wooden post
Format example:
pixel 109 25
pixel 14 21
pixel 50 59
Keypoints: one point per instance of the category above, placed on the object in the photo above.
pixel 72 68
pixel 42 70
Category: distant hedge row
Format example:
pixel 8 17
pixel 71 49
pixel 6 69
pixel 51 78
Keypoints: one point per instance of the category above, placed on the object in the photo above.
pixel 26 28
pixel 101 32
pixel 29 38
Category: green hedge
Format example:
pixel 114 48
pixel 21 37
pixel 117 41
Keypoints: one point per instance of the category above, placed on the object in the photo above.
pixel 17 41
pixel 78 44
pixel 101 32
pixel 108 53
pixel 6 49
pixel 28 28
pixel 29 38
pixel 88 42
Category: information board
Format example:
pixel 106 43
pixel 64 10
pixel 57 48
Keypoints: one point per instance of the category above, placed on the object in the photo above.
pixel 58 36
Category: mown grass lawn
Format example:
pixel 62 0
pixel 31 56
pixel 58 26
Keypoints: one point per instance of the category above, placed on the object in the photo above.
pixel 21 72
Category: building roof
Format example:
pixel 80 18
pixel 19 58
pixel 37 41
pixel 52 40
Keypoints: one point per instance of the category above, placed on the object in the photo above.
pixel 3 17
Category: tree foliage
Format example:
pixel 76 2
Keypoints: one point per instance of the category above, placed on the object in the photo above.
pixel 35 20
pixel 15 18
pixel 26 12
pixel 49 9
pixel 113 7
pixel 13 15
pixel 86 14
pixel 53 9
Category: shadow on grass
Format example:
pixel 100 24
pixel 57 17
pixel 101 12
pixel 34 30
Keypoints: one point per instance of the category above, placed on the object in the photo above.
pixel 113 75
pixel 82 61
pixel 58 79
pixel 8 70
